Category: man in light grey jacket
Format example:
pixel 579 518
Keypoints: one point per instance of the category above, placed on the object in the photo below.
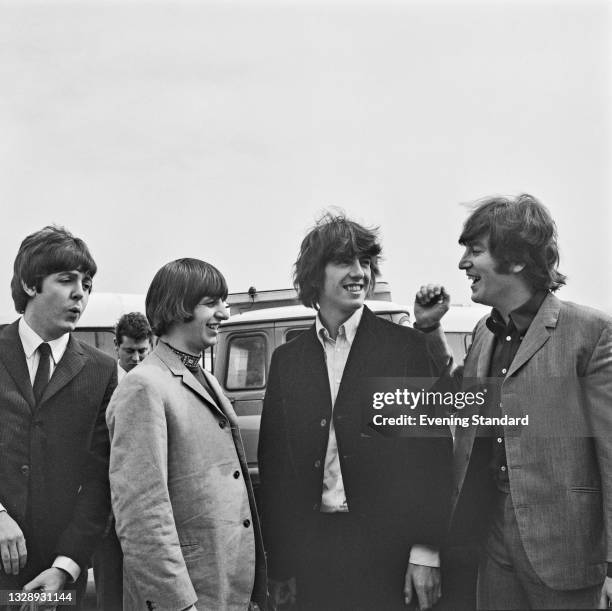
pixel 181 493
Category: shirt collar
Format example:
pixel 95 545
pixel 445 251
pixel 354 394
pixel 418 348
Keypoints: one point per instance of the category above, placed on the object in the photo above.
pixel 520 318
pixel 348 328
pixel 30 340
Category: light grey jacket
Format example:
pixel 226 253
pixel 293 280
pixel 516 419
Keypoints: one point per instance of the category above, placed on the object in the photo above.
pixel 181 494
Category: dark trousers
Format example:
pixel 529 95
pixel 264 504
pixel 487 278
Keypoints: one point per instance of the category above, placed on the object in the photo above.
pixel 350 564
pixel 108 573
pixel 506 579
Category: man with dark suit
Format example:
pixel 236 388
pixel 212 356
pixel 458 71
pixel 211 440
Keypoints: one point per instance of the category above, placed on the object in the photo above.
pixel 352 518
pixel 54 446
pixel 536 490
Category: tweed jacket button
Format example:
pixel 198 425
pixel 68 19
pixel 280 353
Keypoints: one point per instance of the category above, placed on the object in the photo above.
pixel 222 423
pixel 247 523
pixel 236 474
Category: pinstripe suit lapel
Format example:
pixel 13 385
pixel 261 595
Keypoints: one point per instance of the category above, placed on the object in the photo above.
pixel 68 367
pixel 13 358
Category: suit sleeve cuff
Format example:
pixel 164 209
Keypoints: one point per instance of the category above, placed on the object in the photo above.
pixel 425 555
pixel 68 565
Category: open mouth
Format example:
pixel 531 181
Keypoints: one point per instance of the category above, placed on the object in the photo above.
pixel 75 310
pixel 213 326
pixel 353 288
pixel 474 278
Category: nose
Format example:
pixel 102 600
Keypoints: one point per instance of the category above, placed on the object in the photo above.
pixel 464 262
pixel 356 269
pixel 221 313
pixel 78 291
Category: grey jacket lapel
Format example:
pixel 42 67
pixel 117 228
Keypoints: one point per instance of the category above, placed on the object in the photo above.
pixel 177 367
pixel 222 401
pixel 538 333
pixel 485 354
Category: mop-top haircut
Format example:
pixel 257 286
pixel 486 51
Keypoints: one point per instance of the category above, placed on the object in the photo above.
pixel 520 230
pixel 333 239
pixel 51 250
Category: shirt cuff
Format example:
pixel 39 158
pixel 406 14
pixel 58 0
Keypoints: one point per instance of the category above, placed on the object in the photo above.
pixel 68 565
pixel 425 555
pixel 426 329
pixel 3 508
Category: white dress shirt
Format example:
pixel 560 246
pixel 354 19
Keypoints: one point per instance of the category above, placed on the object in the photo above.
pixel 333 498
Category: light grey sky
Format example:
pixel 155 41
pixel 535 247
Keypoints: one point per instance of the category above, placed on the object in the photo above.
pixel 221 130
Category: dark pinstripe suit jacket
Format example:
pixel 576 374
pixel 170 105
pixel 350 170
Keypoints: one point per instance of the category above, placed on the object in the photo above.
pixel 54 457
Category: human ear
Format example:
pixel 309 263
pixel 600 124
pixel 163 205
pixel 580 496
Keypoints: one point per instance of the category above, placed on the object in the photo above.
pixel 30 291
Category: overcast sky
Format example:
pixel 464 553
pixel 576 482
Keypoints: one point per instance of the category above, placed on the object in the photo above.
pixel 221 130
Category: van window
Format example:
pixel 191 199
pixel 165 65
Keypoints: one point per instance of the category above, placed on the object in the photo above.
pixel 246 362
pixel 99 339
pixel 293 333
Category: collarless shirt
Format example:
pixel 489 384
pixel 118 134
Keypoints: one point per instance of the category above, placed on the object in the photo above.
pixel 336 353
pixel 30 340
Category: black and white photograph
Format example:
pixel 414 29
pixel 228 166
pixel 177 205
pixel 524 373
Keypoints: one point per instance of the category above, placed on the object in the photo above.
pixel 307 305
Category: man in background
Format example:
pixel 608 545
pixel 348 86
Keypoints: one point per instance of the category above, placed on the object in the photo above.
pixel 133 337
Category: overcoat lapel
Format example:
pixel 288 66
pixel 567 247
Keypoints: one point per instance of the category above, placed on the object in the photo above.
pixel 313 361
pixel 13 358
pixel 366 346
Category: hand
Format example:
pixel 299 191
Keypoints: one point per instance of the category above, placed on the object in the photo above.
pixel 50 580
pixel 12 545
pixel 606 594
pixel 428 315
pixel 282 592
pixel 426 582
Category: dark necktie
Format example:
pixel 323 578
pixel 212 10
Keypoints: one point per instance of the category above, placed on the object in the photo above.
pixel 42 373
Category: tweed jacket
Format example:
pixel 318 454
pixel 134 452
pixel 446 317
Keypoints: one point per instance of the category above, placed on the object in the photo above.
pixel 560 464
